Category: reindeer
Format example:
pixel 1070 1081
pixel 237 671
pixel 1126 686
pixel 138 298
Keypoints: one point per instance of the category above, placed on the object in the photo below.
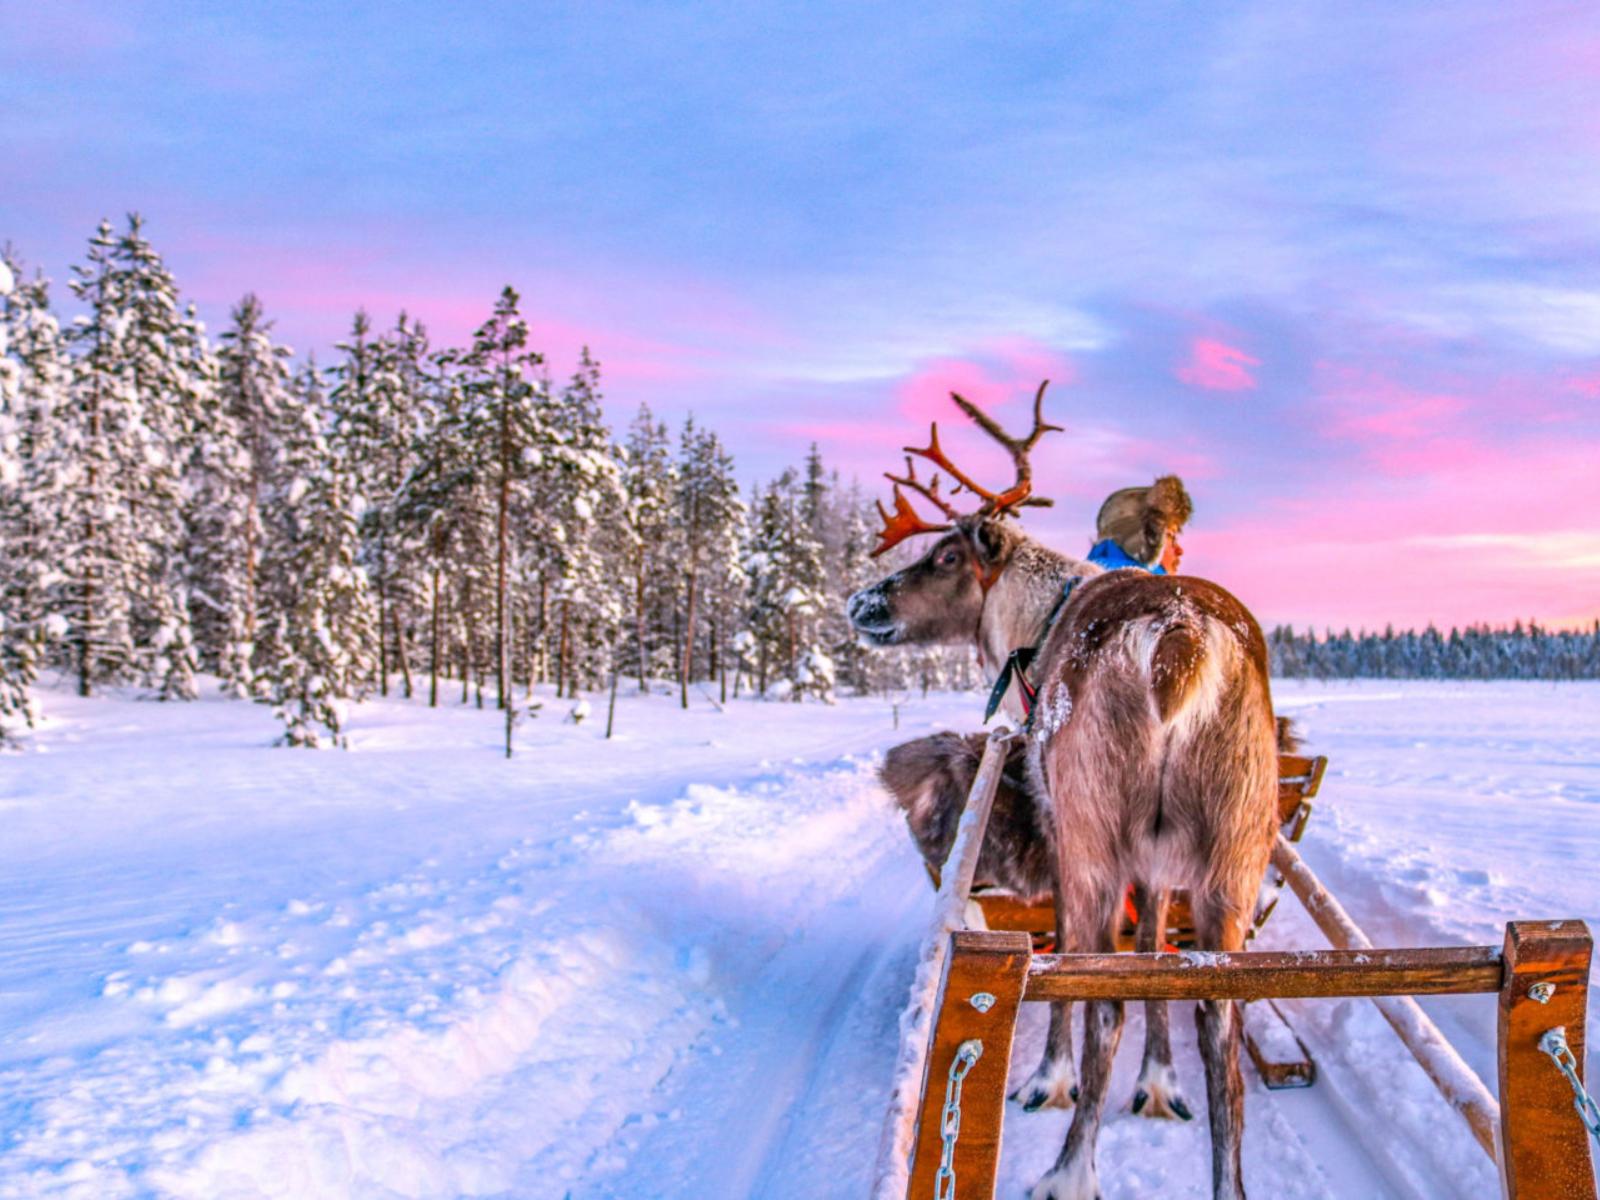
pixel 1153 746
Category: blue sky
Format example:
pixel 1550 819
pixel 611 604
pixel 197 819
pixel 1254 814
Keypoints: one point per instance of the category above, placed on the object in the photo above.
pixel 1335 263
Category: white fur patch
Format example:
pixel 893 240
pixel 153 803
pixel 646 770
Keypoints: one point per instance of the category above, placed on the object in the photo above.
pixel 1055 1079
pixel 1216 655
pixel 1077 1180
pixel 1159 1083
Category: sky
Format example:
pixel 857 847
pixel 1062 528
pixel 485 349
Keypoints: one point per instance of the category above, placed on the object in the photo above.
pixel 1335 264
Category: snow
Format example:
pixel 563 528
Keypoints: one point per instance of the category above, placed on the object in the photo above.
pixel 8 281
pixel 671 964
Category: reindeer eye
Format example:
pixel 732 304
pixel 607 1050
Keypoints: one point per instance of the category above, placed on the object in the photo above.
pixel 950 558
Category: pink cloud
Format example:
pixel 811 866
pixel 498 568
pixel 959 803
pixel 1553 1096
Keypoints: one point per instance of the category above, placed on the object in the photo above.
pixel 1217 367
pixel 1486 534
pixel 999 375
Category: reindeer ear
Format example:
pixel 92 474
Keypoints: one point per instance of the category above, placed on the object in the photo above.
pixel 989 541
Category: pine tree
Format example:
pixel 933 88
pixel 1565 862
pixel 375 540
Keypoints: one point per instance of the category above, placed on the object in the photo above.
pixel 376 405
pixel 784 562
pixel 128 431
pixel 582 495
pixel 255 390
pixel 32 390
pixel 507 425
pixel 649 481
pixel 316 653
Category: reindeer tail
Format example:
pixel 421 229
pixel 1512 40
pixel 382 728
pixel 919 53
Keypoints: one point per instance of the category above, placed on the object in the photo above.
pixel 1180 663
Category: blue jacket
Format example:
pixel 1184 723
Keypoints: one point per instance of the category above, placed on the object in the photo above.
pixel 1109 555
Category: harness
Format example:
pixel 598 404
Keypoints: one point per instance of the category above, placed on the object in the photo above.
pixel 1019 660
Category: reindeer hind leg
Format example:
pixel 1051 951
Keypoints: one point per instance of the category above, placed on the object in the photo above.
pixel 1054 1082
pixel 1156 1094
pixel 1221 926
pixel 1074 1176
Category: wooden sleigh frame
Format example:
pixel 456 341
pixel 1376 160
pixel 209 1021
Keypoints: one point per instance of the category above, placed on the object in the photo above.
pixel 964 1011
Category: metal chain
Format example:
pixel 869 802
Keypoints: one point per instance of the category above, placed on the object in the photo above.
pixel 1554 1043
pixel 944 1183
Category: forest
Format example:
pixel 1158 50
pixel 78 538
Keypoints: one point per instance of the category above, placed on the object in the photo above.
pixel 445 521
pixel 449 522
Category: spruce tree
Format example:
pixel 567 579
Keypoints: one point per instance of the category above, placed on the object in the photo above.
pixel 649 481
pixel 128 431
pixel 316 652
pixel 255 390
pixel 32 390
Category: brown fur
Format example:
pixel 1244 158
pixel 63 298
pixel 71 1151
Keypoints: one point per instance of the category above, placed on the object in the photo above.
pixel 930 779
pixel 1164 776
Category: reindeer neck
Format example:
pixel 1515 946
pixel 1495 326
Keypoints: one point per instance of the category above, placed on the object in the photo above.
pixel 1020 602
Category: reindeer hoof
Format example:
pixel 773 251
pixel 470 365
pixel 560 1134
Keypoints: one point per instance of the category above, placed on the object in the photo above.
pixel 1157 1096
pixel 1075 1181
pixel 1048 1087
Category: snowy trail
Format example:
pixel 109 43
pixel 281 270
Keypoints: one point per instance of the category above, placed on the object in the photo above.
pixel 671 965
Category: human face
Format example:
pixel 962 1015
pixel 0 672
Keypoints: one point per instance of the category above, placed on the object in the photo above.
pixel 1171 552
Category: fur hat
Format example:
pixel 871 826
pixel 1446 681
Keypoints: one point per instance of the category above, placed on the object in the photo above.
pixel 1136 518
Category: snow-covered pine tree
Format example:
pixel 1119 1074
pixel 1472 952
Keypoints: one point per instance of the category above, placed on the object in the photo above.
pixel 173 375
pixel 319 626
pixel 650 481
pixel 580 491
pixel 709 516
pixel 446 508
pixel 255 389
pixel 784 563
pixel 508 428
pixel 126 432
pixel 33 381
pixel 376 406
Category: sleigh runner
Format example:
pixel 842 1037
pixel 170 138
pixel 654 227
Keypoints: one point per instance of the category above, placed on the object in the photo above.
pixel 945 1122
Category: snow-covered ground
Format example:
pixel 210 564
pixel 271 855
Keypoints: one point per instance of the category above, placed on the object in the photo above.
pixel 665 966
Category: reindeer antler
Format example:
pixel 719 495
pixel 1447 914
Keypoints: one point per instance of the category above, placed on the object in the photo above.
pixel 930 490
pixel 905 522
pixel 1019 494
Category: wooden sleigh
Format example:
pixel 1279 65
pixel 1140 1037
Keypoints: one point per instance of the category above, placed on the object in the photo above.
pixel 972 982
pixel 1279 1056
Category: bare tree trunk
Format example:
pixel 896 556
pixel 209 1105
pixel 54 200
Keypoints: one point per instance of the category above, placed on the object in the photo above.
pixel 562 650
pixel 505 684
pixel 468 647
pixel 544 625
pixel 383 621
pixel 688 638
pixel 611 708
pixel 400 650
pixel 532 649
pixel 502 615
pixel 638 621
pixel 434 655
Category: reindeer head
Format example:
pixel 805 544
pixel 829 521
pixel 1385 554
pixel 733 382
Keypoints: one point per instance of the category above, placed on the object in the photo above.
pixel 940 597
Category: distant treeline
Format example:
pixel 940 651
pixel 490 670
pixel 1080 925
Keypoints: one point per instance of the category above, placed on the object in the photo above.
pixel 1477 652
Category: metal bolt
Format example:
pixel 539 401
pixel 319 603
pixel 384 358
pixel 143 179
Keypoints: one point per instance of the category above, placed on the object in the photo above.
pixel 1541 992
pixel 982 1001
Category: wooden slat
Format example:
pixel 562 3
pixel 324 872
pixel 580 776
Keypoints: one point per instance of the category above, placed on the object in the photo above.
pixel 1007 910
pixel 1251 975
pixel 1544 1149
pixel 976 963
pixel 1280 1057
pixel 1455 1080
